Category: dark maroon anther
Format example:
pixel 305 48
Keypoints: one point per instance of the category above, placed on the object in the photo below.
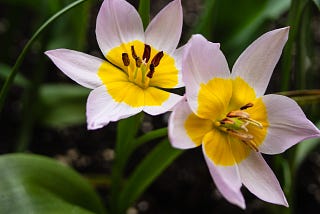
pixel 146 53
pixel 125 59
pixel 156 59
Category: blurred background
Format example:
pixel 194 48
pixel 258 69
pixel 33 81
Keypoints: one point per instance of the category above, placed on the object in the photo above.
pixel 45 111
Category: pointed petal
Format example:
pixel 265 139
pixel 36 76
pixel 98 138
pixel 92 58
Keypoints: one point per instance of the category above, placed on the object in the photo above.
pixel 288 124
pixel 80 67
pixel 227 180
pixel 155 96
pixel 102 108
pixel 186 130
pixel 203 61
pixel 165 29
pixel 117 22
pixel 256 64
pixel 257 176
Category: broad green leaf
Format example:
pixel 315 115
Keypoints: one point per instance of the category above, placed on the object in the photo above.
pixel 37 185
pixel 63 105
pixel 271 10
pixel 146 172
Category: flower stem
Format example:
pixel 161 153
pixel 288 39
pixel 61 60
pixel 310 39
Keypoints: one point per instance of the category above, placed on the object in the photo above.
pixel 5 88
pixel 297 7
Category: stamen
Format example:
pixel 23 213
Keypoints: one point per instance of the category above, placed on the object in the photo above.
pixel 238 113
pixel 125 59
pixel 240 135
pixel 251 144
pixel 156 59
pixel 254 122
pixel 151 72
pixel 245 138
pixel 227 121
pixel 248 105
pixel 135 57
pixel 146 53
pixel 154 63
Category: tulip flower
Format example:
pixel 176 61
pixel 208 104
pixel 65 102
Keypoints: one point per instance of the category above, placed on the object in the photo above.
pixel 229 115
pixel 138 67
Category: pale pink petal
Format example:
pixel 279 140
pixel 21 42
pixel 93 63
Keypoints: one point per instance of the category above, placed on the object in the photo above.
pixel 176 130
pixel 102 109
pixel 227 180
pixel 256 64
pixel 177 55
pixel 257 176
pixel 165 106
pixel 203 61
pixel 80 67
pixel 117 22
pixel 164 31
pixel 288 124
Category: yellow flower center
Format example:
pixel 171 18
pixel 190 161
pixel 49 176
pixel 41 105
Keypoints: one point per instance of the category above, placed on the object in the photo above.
pixel 137 72
pixel 235 124
pixel 238 120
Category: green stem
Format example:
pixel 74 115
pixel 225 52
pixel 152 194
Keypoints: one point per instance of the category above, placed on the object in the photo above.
pixel 126 132
pixel 5 88
pixel 30 104
pixel 144 11
pixel 303 39
pixel 150 136
pixel 294 22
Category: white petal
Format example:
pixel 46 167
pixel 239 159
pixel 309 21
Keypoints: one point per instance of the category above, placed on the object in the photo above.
pixel 203 61
pixel 102 109
pixel 288 124
pixel 177 132
pixel 256 64
pixel 227 180
pixel 166 106
pixel 80 67
pixel 117 22
pixel 257 176
pixel 165 29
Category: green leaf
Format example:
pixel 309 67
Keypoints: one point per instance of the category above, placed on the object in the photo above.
pixel 144 11
pixel 36 184
pixel 257 16
pixel 63 105
pixel 146 172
